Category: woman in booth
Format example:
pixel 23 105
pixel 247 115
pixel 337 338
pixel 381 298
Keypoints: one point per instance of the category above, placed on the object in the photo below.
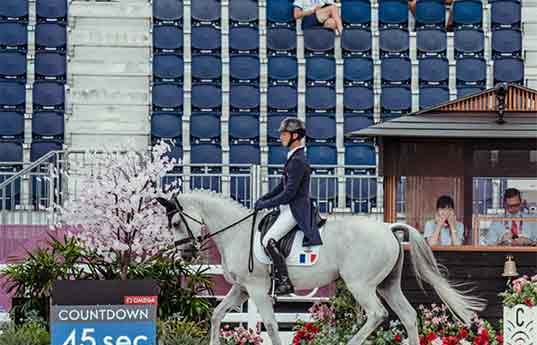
pixel 444 229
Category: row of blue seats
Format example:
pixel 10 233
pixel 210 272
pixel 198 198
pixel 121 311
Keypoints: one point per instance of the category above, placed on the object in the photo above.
pixel 46 10
pixel 12 151
pixel 48 37
pixel 45 125
pixel 47 95
pixel 49 66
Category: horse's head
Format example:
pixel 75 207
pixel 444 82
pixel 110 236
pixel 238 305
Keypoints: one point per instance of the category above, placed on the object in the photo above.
pixel 187 224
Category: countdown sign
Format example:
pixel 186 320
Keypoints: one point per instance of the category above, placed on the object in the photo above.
pixel 123 324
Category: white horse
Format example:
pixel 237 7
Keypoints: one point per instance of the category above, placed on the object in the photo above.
pixel 364 253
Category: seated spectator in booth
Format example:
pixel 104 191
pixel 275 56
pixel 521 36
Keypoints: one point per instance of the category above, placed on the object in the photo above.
pixel 318 13
pixel 444 229
pixel 449 3
pixel 514 232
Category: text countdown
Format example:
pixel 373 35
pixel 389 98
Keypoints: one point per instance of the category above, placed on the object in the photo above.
pixel 103 325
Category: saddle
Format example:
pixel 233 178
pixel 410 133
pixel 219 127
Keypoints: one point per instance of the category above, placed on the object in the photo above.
pixel 286 243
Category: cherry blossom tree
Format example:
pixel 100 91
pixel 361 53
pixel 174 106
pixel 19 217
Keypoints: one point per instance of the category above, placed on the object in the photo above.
pixel 115 211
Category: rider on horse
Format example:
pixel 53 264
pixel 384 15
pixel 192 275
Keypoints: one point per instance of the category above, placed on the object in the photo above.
pixel 292 197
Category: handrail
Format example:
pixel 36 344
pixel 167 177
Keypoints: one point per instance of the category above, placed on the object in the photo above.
pixel 28 169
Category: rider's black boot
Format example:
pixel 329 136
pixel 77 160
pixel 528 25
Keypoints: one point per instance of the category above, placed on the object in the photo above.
pixel 283 283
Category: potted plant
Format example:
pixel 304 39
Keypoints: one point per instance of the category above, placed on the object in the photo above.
pixel 520 310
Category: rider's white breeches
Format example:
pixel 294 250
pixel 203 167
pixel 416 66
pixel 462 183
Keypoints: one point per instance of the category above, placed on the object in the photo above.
pixel 285 223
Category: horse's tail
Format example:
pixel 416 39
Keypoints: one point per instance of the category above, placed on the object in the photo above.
pixel 459 301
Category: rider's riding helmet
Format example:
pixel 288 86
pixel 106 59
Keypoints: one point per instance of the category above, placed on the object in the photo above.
pixel 293 125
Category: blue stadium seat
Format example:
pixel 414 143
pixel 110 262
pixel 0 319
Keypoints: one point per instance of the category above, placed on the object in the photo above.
pixel 50 36
pixel 280 11
pixel 469 42
pixel 48 95
pixel 51 66
pixel 14 10
pixel 356 13
pixel 205 127
pixel 320 69
pixel 48 125
pixel 468 13
pixel 323 189
pixel 396 70
pixel 320 98
pixel 281 40
pixel 168 11
pixel 358 70
pixel 431 42
pixel 319 41
pixel 168 38
pixel 321 128
pixel 168 67
pixel 167 97
pixel 12 65
pixel 244 68
pixel 39 148
pixel 240 187
pixel 505 13
pixel 10 151
pixel 433 95
pixel 244 139
pixel 355 122
pixel 395 100
pixel 282 98
pixel 206 67
pixel 12 125
pixel 243 39
pixel 206 153
pixel 206 96
pixel 430 13
pixel 393 13
pixel 510 70
pixel 206 38
pixel 394 42
pixel 282 68
pixel 434 71
pixel 273 124
pixel 471 71
pixel 244 97
pixel 361 194
pixel 51 10
pixel 13 36
pixel 506 42
pixel 12 94
pixel 356 41
pixel 322 154
pixel 464 91
pixel 360 154
pixel 358 99
pixel 277 154
pixel 205 11
pixel 243 11
pixel 166 126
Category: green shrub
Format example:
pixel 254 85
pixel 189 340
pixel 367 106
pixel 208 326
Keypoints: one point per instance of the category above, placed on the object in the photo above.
pixel 33 333
pixel 179 332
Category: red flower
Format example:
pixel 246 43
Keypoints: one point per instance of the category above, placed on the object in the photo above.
pixel 463 333
pixel 422 340
pixel 397 338
pixel 499 338
pixel 431 336
pixel 485 333
pixel 528 302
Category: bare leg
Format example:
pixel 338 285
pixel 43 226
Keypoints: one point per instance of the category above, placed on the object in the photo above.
pixel 412 7
pixel 450 14
pixel 330 23
pixel 331 12
pixel 235 297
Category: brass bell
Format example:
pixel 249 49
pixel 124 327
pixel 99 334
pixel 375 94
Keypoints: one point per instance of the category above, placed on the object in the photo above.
pixel 509 268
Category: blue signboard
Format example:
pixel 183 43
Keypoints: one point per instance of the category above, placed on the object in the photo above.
pixel 104 325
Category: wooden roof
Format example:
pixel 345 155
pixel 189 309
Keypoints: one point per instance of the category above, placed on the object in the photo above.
pixel 473 116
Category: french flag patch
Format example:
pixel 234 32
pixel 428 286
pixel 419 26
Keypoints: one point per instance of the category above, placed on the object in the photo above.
pixel 307 258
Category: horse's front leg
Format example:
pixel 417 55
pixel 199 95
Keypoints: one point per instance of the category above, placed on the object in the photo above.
pixel 235 297
pixel 263 302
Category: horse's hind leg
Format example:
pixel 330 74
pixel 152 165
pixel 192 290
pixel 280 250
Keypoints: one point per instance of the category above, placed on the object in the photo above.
pixel 366 297
pixel 390 290
pixel 235 297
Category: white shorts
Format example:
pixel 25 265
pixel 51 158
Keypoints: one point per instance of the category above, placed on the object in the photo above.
pixel 285 223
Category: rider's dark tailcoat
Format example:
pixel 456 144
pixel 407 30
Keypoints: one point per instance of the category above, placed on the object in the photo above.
pixel 294 190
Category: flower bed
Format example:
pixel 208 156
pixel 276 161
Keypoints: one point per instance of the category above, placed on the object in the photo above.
pixel 520 310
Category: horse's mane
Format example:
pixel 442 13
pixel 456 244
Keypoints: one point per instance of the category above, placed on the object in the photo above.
pixel 209 194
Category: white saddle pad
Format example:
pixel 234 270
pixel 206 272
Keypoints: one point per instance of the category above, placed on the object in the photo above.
pixel 299 255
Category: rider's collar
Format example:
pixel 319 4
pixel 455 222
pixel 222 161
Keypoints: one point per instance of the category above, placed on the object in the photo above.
pixel 290 153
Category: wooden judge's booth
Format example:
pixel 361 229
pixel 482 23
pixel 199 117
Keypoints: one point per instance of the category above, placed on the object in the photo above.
pixel 439 151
